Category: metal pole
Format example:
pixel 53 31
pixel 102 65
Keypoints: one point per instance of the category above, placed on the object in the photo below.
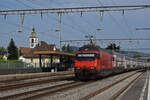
pixel 59 20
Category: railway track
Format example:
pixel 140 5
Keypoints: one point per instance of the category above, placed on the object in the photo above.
pixel 37 82
pixel 30 95
pixel 16 78
pixel 64 87
pixel 116 95
pixel 121 91
pixel 22 84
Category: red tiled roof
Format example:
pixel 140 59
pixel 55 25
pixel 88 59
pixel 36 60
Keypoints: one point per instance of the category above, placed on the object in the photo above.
pixel 41 46
pixel 25 50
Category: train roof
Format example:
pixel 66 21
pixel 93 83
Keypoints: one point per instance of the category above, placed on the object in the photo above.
pixel 93 47
pixel 89 47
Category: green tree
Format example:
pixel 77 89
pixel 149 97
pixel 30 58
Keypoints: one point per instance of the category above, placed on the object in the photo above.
pixel 3 51
pixel 67 48
pixel 137 55
pixel 113 46
pixel 20 52
pixel 64 48
pixel 12 51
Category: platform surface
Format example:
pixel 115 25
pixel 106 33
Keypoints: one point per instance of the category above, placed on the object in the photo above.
pixel 140 90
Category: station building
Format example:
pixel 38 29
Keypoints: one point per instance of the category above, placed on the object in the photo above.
pixel 41 54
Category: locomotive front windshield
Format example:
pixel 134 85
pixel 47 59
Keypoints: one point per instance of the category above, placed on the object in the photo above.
pixel 87 56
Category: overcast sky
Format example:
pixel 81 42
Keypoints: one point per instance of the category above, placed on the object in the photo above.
pixel 75 27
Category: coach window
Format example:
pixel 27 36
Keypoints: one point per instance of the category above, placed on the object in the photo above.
pixel 113 59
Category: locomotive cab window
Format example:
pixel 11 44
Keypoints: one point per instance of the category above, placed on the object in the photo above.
pixel 113 59
pixel 87 56
pixel 97 56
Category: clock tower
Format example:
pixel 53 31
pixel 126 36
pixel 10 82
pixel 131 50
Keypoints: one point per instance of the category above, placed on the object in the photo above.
pixel 33 39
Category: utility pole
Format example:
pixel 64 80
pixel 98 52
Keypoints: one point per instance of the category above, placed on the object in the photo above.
pixel 59 21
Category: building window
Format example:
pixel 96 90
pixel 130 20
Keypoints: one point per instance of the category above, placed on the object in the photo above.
pixel 32 45
pixel 32 41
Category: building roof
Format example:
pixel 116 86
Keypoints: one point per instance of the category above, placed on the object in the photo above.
pixel 25 50
pixel 42 46
pixel 54 53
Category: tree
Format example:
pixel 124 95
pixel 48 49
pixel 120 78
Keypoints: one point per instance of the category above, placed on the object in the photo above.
pixel 67 48
pixel 12 51
pixel 3 51
pixel 137 55
pixel 64 48
pixel 113 46
pixel 20 53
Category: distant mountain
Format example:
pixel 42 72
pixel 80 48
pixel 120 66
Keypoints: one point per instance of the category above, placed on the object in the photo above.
pixel 132 53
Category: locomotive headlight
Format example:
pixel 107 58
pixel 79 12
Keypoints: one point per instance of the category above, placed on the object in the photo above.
pixel 77 67
pixel 92 67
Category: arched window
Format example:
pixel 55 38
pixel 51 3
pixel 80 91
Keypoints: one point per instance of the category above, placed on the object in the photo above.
pixel 32 41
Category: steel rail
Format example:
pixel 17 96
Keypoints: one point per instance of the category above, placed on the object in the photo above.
pixel 33 91
pixel 27 84
pixel 105 88
pixel 60 89
pixel 15 78
pixel 116 95
pixel 49 90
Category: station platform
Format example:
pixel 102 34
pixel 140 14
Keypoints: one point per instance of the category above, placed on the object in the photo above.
pixel 140 90
pixel 31 75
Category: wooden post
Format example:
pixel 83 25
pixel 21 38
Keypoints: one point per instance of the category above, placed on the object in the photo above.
pixel 40 60
pixel 51 57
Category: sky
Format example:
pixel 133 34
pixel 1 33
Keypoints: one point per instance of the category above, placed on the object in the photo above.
pixel 75 26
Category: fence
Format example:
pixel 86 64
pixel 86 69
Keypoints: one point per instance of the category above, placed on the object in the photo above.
pixel 17 68
pixel 19 65
pixel 14 68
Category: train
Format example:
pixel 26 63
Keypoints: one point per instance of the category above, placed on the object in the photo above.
pixel 93 62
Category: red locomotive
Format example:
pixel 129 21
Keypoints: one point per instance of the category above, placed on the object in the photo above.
pixel 92 61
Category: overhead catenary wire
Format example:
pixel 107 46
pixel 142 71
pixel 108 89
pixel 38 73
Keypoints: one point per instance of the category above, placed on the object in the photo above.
pixel 32 8
pixel 75 24
pixel 22 16
pixel 126 22
pixel 70 25
pixel 121 28
pixel 20 1
pixel 74 10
